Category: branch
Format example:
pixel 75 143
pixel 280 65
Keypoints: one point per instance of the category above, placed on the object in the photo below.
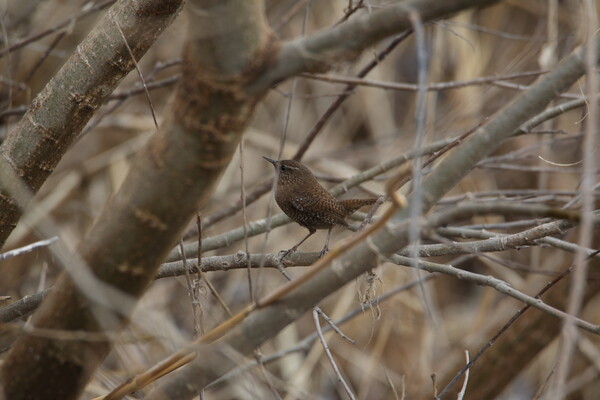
pixel 260 226
pixel 28 248
pixel 498 241
pixel 64 24
pixel 68 101
pixel 266 322
pixel 527 337
pixel 494 242
pixel 140 224
pixel 411 87
pixel 239 261
pixel 500 286
pixel 22 307
pixel 304 344
pixel 318 52
pixel 468 210
pixel 257 227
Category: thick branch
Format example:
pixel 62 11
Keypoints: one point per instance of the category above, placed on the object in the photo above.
pixel 141 223
pixel 346 41
pixel 65 105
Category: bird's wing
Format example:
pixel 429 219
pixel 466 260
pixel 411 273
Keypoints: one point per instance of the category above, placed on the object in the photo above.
pixel 327 210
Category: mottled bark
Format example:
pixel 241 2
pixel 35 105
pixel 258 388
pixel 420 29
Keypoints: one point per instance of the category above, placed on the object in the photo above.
pixel 38 367
pixel 61 110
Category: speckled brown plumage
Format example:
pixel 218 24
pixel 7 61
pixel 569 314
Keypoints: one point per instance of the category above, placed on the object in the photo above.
pixel 302 198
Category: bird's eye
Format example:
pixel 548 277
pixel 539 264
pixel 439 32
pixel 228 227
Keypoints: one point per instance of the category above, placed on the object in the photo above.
pixel 283 167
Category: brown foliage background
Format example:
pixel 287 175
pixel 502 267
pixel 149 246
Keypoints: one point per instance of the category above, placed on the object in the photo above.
pixel 400 343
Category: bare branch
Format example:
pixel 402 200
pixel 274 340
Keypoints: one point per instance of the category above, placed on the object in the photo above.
pixel 28 248
pixel 245 337
pixel 24 42
pixel 140 224
pixel 345 41
pixel 68 101
pixel 413 88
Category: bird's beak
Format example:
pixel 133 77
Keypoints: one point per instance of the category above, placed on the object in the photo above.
pixel 270 160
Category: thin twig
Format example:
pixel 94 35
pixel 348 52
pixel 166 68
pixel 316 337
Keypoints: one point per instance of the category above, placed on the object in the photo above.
pixel 125 94
pixel 193 293
pixel 44 56
pixel 8 64
pixel 391 385
pixel 461 394
pixel 416 204
pixel 495 32
pixel 307 342
pixel 540 391
pixel 578 282
pixel 318 126
pixel 24 42
pixel 504 328
pixel 23 307
pixel 245 221
pixel 410 87
pixel 318 309
pixel 201 276
pixel 293 10
pixel 120 97
pixel 351 10
pixel 28 248
pixel 516 86
pixel 330 357
pixel 186 355
pixel 137 68
pixel 262 188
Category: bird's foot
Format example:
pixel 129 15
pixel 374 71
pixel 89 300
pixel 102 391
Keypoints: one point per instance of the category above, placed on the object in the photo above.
pixel 284 253
pixel 324 251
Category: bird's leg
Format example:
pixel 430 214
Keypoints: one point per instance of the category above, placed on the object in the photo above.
pixel 293 249
pixel 326 248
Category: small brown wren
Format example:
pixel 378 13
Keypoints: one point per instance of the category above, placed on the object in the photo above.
pixel 302 198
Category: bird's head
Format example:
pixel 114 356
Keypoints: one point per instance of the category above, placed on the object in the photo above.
pixel 291 171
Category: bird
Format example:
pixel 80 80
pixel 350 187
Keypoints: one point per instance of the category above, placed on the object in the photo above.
pixel 302 198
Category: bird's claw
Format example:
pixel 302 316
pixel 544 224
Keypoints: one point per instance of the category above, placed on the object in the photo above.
pixel 284 253
pixel 324 251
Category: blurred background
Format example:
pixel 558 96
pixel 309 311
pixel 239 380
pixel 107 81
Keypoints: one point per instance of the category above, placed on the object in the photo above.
pixel 403 341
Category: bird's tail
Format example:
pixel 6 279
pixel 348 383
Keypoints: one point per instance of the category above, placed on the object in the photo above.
pixel 354 204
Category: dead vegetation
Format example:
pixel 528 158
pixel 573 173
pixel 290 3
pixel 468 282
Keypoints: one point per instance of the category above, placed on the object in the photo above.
pixel 520 217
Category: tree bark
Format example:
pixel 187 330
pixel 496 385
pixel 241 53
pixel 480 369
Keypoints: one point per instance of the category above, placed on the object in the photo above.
pixel 61 110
